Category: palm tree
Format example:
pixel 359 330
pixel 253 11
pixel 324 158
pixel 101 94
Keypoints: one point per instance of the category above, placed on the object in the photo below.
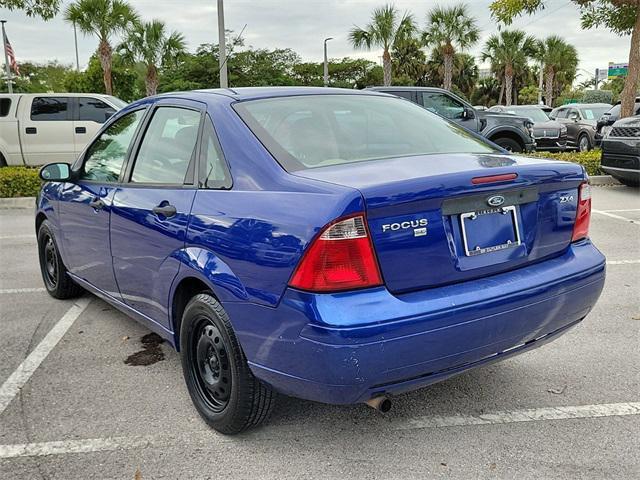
pixel 465 71
pixel 148 43
pixel 509 52
pixel 103 18
pixel 450 29
pixel 386 27
pixel 559 59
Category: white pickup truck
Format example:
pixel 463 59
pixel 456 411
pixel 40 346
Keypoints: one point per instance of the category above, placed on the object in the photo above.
pixel 39 128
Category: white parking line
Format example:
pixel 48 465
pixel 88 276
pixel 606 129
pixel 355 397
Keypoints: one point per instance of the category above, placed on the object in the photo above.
pixel 207 438
pixel 11 237
pixel 623 210
pixel 618 217
pixel 22 290
pixel 622 262
pixel 21 375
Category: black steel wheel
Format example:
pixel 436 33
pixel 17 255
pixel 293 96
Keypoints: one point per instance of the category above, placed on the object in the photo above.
pixel 223 389
pixel 54 273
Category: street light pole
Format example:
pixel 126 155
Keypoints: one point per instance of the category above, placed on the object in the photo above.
pixel 326 62
pixel 6 58
pixel 75 39
pixel 222 48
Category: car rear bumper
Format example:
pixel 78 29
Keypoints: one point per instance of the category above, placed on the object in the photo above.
pixel 552 144
pixel 349 347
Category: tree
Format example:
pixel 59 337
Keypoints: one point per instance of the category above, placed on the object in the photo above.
pixel 450 29
pixel 560 60
pixel 45 9
pixel 409 62
pixel 509 52
pixel 486 92
pixel 622 17
pixel 149 43
pixel 465 71
pixel 528 95
pixel 103 18
pixel 385 29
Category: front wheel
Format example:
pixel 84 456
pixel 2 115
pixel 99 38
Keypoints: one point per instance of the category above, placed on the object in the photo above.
pixel 509 144
pixel 223 389
pixel 54 273
pixel 584 145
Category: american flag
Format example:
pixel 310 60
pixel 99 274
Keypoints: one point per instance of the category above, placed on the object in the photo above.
pixel 12 56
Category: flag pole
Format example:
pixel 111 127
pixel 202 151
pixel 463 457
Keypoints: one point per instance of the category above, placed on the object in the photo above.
pixel 6 57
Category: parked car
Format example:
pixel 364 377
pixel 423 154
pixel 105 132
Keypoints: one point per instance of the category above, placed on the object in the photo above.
pixel 511 133
pixel 410 249
pixel 621 151
pixel 606 121
pixel 580 120
pixel 549 134
pixel 37 128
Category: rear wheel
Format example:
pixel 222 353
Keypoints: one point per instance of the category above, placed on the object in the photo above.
pixel 584 144
pixel 54 273
pixel 509 144
pixel 223 389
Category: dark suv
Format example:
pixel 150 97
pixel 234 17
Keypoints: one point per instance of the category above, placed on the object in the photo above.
pixel 606 121
pixel 580 120
pixel 549 134
pixel 621 151
pixel 511 132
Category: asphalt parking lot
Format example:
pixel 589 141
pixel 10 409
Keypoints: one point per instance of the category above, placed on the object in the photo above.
pixel 70 407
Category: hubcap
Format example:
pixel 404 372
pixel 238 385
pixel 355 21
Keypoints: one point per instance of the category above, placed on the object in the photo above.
pixel 584 144
pixel 212 369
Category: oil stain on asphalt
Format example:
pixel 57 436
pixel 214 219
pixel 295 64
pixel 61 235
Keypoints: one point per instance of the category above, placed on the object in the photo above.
pixel 151 351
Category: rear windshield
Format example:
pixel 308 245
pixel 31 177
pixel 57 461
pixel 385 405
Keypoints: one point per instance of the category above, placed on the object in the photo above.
pixel 311 131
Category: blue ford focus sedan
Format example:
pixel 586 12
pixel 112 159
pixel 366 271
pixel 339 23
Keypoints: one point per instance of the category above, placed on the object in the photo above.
pixel 328 244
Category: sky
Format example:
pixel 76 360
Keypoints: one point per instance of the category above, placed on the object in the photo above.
pixel 303 25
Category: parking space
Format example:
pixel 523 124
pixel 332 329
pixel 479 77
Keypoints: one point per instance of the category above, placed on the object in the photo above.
pixel 568 410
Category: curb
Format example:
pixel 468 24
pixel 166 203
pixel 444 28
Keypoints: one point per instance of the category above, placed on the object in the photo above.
pixel 19 202
pixel 596 180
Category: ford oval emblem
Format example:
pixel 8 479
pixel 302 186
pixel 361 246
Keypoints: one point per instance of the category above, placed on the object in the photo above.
pixel 495 201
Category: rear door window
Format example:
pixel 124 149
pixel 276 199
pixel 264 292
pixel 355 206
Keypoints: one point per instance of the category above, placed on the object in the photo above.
pixel 94 110
pixel 5 106
pixel 168 147
pixel 50 109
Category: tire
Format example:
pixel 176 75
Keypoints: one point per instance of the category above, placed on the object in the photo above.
pixel 584 144
pixel 224 391
pixel 54 273
pixel 628 182
pixel 509 144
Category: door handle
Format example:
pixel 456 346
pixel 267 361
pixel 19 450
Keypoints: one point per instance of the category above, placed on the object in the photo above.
pixel 31 130
pixel 81 129
pixel 97 204
pixel 165 210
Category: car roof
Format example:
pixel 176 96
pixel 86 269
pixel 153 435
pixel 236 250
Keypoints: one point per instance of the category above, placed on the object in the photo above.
pixel 406 89
pixel 584 105
pixel 252 93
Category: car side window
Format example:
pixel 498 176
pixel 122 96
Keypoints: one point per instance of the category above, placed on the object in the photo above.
pixel 214 171
pixel 168 147
pixel 94 110
pixel 104 158
pixel 50 109
pixel 562 113
pixel 5 106
pixel 401 93
pixel 443 105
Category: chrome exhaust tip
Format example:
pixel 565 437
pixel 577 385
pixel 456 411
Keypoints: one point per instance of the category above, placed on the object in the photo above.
pixel 382 404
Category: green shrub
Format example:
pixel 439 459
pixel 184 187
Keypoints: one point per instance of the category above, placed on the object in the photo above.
pixel 589 160
pixel 19 182
pixel 598 96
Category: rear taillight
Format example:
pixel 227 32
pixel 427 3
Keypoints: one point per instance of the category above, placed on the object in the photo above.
pixel 583 214
pixel 341 258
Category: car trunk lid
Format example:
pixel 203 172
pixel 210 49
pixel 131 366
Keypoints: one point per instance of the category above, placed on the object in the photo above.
pixel 440 219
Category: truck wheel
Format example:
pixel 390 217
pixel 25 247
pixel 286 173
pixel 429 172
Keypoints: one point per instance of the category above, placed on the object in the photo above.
pixel 508 144
pixel 224 391
pixel 3 162
pixel 54 273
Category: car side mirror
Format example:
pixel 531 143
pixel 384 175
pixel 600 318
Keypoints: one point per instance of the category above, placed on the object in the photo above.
pixel 468 114
pixel 574 117
pixel 55 172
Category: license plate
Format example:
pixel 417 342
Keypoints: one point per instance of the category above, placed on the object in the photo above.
pixel 489 230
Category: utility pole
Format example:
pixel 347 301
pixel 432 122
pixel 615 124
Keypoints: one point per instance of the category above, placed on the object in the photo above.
pixel 75 39
pixel 326 62
pixel 6 58
pixel 222 48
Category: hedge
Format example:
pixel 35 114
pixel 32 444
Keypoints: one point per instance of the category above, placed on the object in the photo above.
pixel 589 160
pixel 19 182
